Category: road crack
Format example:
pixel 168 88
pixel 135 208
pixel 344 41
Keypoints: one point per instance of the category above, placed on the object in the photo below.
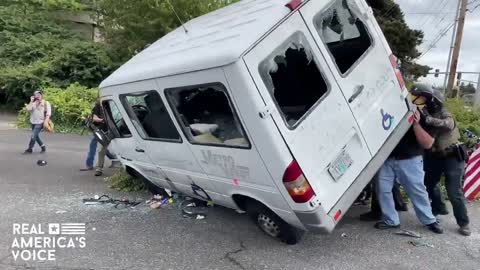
pixel 229 256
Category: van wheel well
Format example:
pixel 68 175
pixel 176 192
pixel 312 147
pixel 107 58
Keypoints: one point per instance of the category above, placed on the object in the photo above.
pixel 154 189
pixel 242 201
pixel 132 172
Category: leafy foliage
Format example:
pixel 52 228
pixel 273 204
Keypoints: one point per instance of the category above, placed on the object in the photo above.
pixel 71 106
pixel 466 117
pixel 39 51
pixel 400 37
pixel 122 181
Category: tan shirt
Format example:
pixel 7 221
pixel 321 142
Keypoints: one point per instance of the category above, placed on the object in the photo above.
pixel 38 111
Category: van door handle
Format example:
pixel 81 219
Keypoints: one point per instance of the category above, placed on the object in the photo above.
pixel 139 150
pixel 356 93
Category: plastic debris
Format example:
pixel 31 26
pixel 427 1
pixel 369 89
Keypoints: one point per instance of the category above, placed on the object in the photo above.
pixel 41 162
pixel 344 235
pixel 61 212
pixel 194 209
pixel 105 199
pixel 155 204
pixel 419 243
pixel 408 233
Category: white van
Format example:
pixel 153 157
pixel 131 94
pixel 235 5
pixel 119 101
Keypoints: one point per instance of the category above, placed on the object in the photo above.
pixel 282 108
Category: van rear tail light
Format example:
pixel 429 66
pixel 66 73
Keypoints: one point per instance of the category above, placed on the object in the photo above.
pixel 398 73
pixel 296 184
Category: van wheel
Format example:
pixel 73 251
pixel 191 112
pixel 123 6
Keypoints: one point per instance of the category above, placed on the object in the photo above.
pixel 273 225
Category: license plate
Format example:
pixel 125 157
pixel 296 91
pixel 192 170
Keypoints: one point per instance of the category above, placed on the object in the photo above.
pixel 340 166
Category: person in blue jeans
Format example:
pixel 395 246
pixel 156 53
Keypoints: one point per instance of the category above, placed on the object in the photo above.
pixel 96 119
pixel 406 165
pixel 40 112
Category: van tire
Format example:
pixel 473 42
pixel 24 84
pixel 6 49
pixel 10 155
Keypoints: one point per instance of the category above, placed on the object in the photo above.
pixel 273 225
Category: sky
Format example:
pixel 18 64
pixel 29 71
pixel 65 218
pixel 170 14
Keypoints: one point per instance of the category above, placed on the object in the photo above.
pixel 433 17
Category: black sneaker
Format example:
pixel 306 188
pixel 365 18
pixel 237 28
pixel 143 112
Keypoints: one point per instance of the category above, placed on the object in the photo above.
pixel 465 230
pixel 98 173
pixel 381 225
pixel 435 227
pixel 44 149
pixel 370 216
pixel 27 152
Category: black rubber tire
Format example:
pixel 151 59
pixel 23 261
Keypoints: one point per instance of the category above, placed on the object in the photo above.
pixel 288 234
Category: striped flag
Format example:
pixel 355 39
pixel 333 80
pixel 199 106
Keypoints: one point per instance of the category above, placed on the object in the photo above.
pixel 471 187
pixel 73 228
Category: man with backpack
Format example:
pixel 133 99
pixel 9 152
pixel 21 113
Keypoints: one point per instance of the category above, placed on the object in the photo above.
pixel 40 112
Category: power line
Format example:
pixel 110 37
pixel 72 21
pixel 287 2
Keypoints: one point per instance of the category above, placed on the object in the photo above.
pixel 437 39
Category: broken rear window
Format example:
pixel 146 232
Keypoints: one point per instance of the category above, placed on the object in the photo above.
pixel 293 79
pixel 344 34
pixel 207 116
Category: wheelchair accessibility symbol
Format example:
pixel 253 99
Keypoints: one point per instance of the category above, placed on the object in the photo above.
pixel 387 120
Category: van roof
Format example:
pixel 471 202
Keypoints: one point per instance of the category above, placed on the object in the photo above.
pixel 216 39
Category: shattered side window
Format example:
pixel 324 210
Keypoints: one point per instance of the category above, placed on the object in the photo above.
pixel 207 115
pixel 116 117
pixel 344 34
pixel 150 116
pixel 293 79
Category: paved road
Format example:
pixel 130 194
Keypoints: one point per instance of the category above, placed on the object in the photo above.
pixel 142 238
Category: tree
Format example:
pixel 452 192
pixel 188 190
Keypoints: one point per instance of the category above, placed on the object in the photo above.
pixel 38 50
pixel 129 26
pixel 400 37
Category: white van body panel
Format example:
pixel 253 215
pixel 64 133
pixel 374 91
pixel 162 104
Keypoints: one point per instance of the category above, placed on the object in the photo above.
pixel 327 130
pixel 373 72
pixel 124 148
pixel 226 46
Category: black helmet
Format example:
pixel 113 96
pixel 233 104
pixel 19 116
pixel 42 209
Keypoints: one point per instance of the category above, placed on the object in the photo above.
pixel 434 98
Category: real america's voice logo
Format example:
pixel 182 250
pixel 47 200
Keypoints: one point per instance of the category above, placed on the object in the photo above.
pixel 39 242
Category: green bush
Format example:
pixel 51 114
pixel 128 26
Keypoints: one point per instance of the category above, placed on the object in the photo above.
pixel 466 117
pixel 70 107
pixel 122 181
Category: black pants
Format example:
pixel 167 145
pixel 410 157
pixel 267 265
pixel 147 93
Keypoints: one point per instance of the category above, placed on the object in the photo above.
pixel 397 198
pixel 453 169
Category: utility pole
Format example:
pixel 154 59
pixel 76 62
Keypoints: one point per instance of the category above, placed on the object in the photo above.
pixel 458 44
pixel 454 32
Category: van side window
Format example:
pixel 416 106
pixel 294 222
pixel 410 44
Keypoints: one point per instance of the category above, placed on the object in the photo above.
pixel 345 36
pixel 207 116
pixel 148 111
pixel 293 78
pixel 116 117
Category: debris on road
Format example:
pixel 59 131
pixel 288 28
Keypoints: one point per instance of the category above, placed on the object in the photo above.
pixel 158 201
pixel 41 162
pixel 344 235
pixel 105 199
pixel 194 209
pixel 420 243
pixel 408 233
pixel 61 212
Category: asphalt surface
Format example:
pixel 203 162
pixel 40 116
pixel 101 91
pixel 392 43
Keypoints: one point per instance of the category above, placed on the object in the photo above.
pixel 144 238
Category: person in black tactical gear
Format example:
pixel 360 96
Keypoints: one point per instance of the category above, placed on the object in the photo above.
pixel 447 156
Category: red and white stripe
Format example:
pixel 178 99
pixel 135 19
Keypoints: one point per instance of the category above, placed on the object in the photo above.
pixel 471 186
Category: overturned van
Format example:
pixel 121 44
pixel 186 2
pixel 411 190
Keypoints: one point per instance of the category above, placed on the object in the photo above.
pixel 284 109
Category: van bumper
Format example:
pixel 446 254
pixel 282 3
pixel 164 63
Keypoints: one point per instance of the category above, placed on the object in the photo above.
pixel 319 221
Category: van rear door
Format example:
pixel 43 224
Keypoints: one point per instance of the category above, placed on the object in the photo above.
pixel 362 64
pixel 309 110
